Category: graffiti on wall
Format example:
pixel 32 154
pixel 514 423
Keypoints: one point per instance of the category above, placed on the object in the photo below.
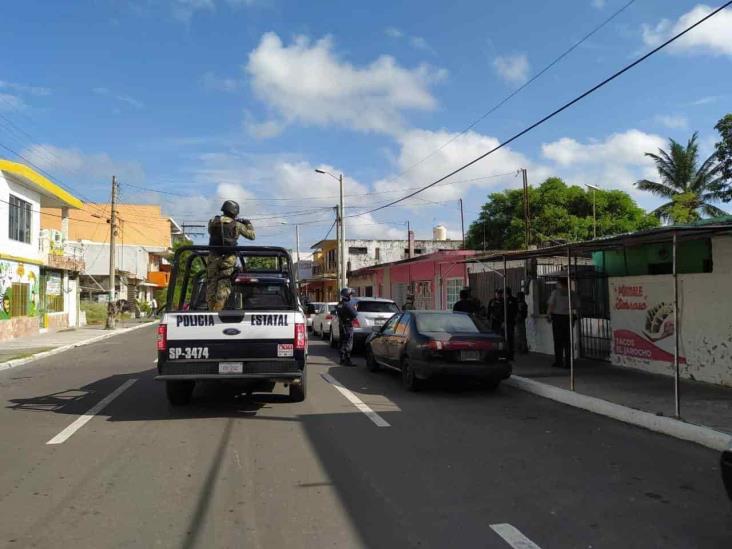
pixel 25 278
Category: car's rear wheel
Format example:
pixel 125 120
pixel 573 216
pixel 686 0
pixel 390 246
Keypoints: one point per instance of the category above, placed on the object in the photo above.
pixel 179 392
pixel 298 391
pixel 409 377
pixel 324 334
pixel 371 363
pixel 333 342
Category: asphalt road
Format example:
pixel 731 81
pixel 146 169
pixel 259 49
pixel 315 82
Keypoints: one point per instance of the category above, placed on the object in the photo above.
pixel 446 466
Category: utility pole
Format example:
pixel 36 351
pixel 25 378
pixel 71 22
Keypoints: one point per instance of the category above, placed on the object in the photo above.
pixel 527 222
pixel 462 222
pixel 594 209
pixel 409 241
pixel 111 306
pixel 338 249
pixel 342 272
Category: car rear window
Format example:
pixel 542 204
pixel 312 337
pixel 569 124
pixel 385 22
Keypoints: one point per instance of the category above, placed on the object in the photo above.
pixel 376 307
pixel 447 323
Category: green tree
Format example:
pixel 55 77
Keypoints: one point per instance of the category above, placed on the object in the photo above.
pixel 680 173
pixel 723 151
pixel 558 213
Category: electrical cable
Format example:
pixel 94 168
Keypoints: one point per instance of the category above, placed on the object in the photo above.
pixel 552 114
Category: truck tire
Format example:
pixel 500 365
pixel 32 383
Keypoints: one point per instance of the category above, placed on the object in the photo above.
pixel 298 392
pixel 179 392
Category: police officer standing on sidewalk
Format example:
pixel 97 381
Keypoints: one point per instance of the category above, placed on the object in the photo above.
pixel 346 313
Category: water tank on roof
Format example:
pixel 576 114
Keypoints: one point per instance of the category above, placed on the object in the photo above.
pixel 439 232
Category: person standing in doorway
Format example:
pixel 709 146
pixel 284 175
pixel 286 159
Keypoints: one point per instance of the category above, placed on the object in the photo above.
pixel 466 304
pixel 558 315
pixel 509 316
pixel 521 316
pixel 495 311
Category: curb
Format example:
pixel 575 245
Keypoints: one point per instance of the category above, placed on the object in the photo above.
pixel 716 440
pixel 21 361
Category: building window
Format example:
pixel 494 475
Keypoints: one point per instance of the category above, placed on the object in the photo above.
pixel 19 299
pixel 52 292
pixel 454 285
pixel 377 254
pixel 19 227
pixel 358 250
pixel 369 292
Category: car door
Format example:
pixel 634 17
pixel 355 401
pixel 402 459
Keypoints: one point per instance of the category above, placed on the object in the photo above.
pixel 380 342
pixel 398 341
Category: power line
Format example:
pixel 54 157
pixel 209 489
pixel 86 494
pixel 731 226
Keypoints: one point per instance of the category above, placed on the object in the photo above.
pixel 323 197
pixel 511 95
pixel 550 115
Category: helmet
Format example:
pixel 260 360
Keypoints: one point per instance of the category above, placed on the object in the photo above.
pixel 230 208
pixel 346 293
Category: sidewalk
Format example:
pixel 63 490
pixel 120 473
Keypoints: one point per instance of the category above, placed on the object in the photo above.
pixel 21 349
pixel 702 404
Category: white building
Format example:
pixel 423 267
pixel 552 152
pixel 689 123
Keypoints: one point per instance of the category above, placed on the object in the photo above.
pixel 38 273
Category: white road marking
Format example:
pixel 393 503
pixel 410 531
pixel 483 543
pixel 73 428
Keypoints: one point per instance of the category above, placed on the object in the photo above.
pixel 357 402
pixel 94 410
pixel 513 536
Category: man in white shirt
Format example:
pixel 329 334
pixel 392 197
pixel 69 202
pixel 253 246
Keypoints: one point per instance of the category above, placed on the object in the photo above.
pixel 558 315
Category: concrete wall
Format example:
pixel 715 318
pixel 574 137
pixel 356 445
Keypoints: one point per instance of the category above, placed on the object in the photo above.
pixel 392 250
pixel 132 259
pixel 11 185
pixel 705 320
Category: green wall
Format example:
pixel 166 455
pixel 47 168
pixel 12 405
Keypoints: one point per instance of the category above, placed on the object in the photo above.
pixel 694 256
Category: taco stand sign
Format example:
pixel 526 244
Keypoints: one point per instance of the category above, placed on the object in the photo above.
pixel 642 320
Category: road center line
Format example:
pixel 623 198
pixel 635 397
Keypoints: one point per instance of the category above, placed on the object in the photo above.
pixel 94 410
pixel 357 402
pixel 513 536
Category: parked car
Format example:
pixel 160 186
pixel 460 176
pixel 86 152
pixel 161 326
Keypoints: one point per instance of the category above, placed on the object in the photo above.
pixel 310 310
pixel 322 318
pixel 373 312
pixel 424 344
pixel 726 466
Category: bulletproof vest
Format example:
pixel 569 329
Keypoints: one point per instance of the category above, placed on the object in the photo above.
pixel 223 232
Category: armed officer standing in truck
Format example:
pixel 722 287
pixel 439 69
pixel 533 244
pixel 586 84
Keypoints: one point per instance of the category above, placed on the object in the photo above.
pixel 224 230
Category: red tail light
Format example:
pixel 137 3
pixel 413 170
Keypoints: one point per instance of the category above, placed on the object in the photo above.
pixel 356 323
pixel 433 345
pixel 300 337
pixel 162 337
pixel 328 317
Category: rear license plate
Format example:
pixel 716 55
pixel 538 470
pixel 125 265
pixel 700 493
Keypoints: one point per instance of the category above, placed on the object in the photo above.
pixel 469 355
pixel 285 350
pixel 231 367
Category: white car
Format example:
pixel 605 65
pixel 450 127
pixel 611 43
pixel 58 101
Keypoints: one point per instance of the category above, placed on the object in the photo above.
pixel 372 312
pixel 322 318
pixel 310 310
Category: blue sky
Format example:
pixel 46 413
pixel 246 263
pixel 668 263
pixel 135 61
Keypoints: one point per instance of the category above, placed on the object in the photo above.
pixel 244 98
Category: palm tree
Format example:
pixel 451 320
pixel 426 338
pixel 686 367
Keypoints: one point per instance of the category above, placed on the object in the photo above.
pixel 680 174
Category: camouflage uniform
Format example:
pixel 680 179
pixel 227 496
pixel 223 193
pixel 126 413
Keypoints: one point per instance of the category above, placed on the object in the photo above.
pixel 220 268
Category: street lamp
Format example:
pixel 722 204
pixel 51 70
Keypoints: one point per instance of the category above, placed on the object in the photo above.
pixel 342 232
pixel 594 214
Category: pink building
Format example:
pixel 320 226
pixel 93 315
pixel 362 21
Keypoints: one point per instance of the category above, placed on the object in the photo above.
pixel 436 279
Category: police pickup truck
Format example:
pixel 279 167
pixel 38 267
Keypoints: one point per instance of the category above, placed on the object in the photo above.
pixel 258 340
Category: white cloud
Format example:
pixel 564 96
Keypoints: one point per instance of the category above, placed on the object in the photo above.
pixel 599 4
pixel 706 100
pixel 219 83
pixel 106 92
pixel 417 145
pixel 714 36
pixel 81 166
pixel 25 88
pixel 307 82
pixel 393 32
pixel 514 69
pixel 614 163
pixel 9 102
pixel 672 121
pixel 416 42
pixel 264 130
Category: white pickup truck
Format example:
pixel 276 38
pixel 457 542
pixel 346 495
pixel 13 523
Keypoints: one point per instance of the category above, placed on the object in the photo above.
pixel 258 340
